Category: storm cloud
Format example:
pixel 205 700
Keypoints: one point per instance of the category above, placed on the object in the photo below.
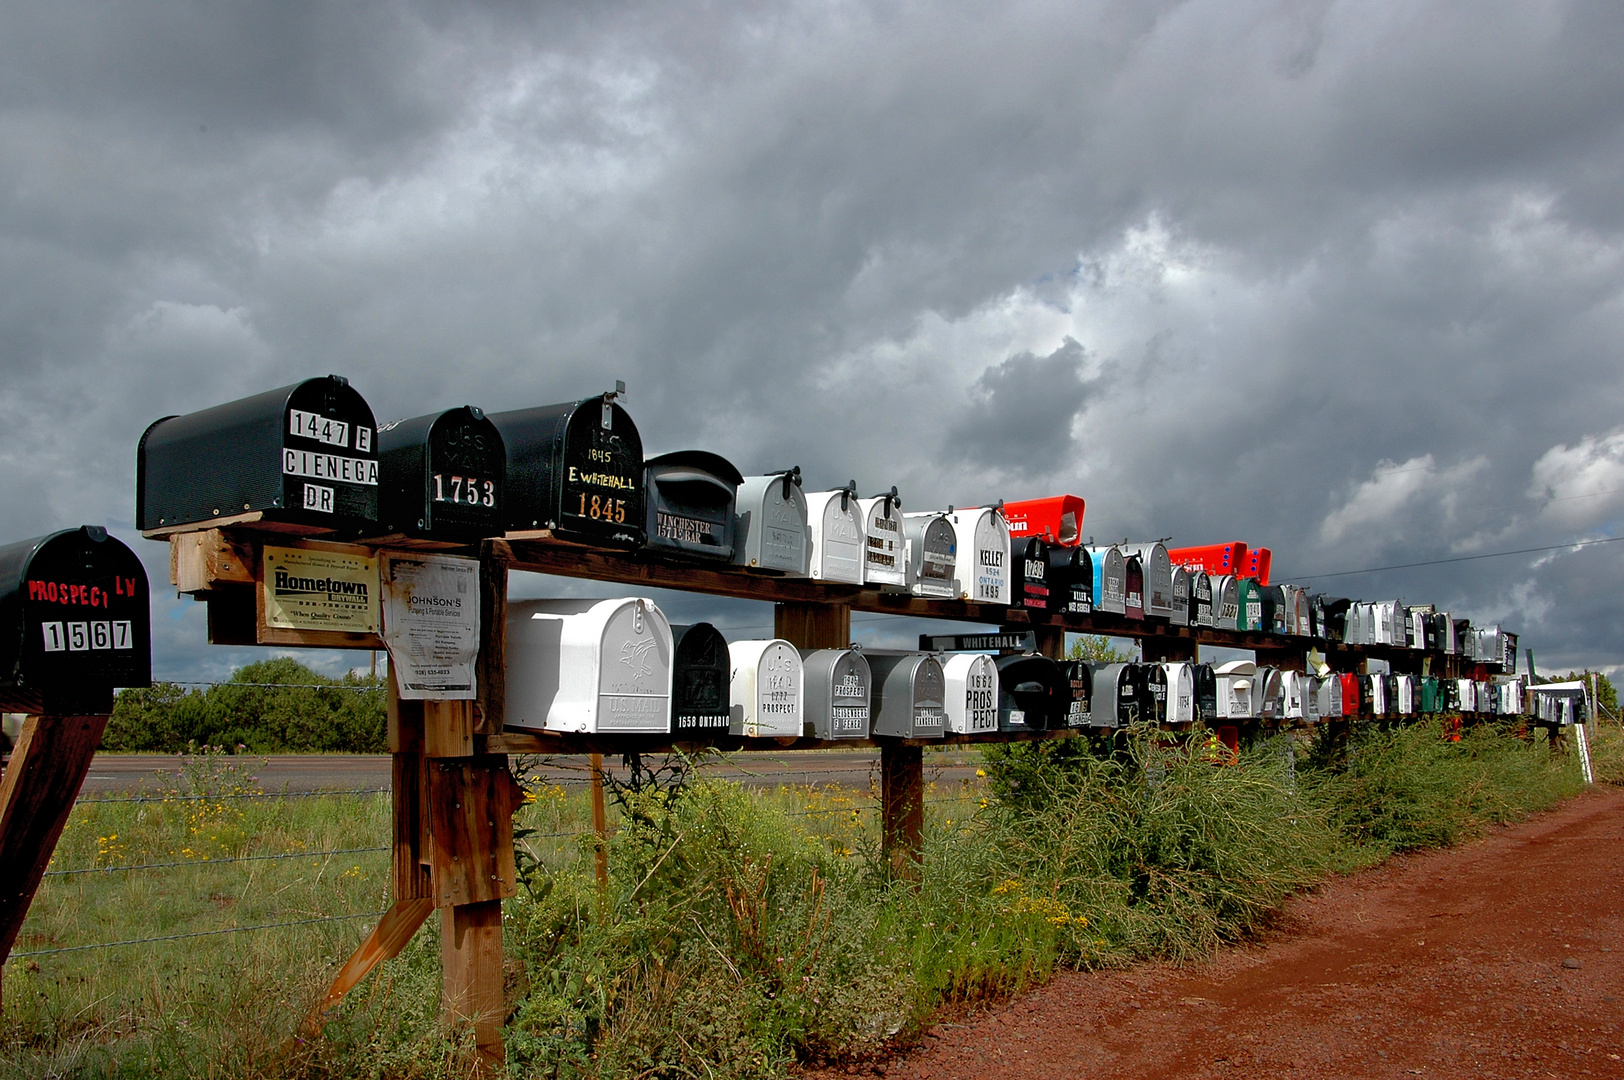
pixel 1342 279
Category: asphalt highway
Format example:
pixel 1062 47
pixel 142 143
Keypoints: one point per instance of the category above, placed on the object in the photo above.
pixel 134 773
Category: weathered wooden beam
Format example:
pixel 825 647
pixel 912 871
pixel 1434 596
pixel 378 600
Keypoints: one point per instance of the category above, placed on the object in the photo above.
pixel 471 960
pixel 391 935
pixel 813 626
pixel 902 808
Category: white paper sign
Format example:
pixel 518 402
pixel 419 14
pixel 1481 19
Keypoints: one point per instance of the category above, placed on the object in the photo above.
pixel 431 624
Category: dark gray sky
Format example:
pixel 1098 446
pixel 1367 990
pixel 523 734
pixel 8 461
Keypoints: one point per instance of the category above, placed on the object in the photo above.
pixel 1341 279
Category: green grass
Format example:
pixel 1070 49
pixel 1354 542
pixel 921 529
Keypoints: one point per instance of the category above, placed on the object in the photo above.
pixel 741 930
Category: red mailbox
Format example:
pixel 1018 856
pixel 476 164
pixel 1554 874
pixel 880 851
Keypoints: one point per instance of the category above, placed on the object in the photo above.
pixel 1058 519
pixel 1256 564
pixel 1215 559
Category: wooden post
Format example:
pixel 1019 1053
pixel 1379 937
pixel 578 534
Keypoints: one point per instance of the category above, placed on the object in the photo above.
pixel 37 793
pixel 1154 650
pixel 813 626
pixel 1287 658
pixel 902 808
pixel 471 960
pixel 1051 640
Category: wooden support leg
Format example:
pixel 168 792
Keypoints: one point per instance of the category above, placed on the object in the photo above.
pixel 902 808
pixel 37 793
pixel 813 626
pixel 471 959
pixel 390 936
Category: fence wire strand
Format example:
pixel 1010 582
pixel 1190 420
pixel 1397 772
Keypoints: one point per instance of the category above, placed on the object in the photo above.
pixel 197 934
pixel 215 862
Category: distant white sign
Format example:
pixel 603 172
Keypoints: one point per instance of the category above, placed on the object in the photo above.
pixel 431 624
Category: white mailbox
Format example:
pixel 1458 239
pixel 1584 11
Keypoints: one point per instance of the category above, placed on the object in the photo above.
pixel 1181 596
pixel 1235 681
pixel 1294 694
pixel 983 541
pixel 1226 602
pixel 1405 687
pixel 766 688
pixel 1268 695
pixel 1110 579
pixel 971 700
pixel 834 533
pixel 836 694
pixel 1376 690
pixel 1158 570
pixel 1180 692
pixel 932 555
pixel 771 531
pixel 1312 685
pixel 885 547
pixel 588 666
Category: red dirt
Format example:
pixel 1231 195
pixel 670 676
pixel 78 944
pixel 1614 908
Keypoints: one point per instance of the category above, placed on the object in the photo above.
pixel 1444 964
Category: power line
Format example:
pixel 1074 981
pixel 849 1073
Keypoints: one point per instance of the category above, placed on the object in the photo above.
pixel 1571 546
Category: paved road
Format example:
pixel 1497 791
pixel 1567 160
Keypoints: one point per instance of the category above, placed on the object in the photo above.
pixel 125 773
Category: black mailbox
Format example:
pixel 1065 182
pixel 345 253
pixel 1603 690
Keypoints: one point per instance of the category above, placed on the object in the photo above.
pixel 690 496
pixel 1331 615
pixel 1205 682
pixel 1032 591
pixel 441 476
pixel 1081 677
pixel 74 622
pixel 1071 580
pixel 575 469
pixel 303 457
pixel 1155 678
pixel 1201 613
pixel 1276 609
pixel 1033 694
pixel 700 673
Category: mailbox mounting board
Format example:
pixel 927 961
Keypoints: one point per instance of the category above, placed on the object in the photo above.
pixel 303 458
pixel 575 470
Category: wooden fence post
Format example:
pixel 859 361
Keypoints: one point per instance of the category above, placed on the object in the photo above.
pixel 902 808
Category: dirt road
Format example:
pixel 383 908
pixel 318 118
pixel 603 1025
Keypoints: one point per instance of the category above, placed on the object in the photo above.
pixel 1502 958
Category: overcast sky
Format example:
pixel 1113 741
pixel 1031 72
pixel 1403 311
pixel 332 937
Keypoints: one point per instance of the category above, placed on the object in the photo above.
pixel 1339 279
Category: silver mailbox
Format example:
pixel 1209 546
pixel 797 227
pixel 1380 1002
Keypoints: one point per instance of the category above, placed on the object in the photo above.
pixel 766 688
pixel 932 555
pixel 1311 698
pixel 909 694
pixel 1121 696
pixel 971 700
pixel 834 526
pixel 1405 686
pixel 1110 579
pixel 885 561
pixel 1226 602
pixel 836 694
pixel 1330 697
pixel 771 531
pixel 983 543
pixel 588 666
pixel 1158 584
pixel 1295 692
pixel 1181 596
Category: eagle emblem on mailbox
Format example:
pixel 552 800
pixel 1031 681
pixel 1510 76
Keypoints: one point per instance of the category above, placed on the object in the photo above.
pixel 634 654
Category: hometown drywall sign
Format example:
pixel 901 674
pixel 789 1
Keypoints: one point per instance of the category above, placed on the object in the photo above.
pixel 431 624
pixel 311 589
pixel 575 469
pixel 690 496
pixel 442 476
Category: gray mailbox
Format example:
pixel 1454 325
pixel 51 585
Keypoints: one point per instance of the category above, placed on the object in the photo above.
pixel 772 529
pixel 575 470
pixel 885 562
pixel 1121 696
pixel 691 497
pixel 932 556
pixel 441 477
pixel 1158 580
pixel 1226 602
pixel 834 524
pixel 1033 695
pixel 910 694
pixel 74 622
pixel 838 691
pixel 1181 597
pixel 303 458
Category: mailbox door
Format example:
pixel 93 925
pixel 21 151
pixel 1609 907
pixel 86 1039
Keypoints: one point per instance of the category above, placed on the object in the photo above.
pixel 837 694
pixel 885 547
pixel 1157 580
pixel 1059 519
pixel 1180 692
pixel 1250 598
pixel 1226 602
pixel 1081 677
pixel 932 555
pixel 835 534
pixel 691 497
pixel 1071 579
pixel 1133 587
pixel 1181 597
pixel 1110 580
pixel 1206 691
pixel 983 537
pixel 700 673
pixel 771 530
pixel 909 694
pixel 766 688
pixel 1032 591
pixel 1202 612
pixel 304 454
pixel 575 469
pixel 442 476
pixel 1351 703
pixel 634 675
pixel 1033 694
pixel 971 697
pixel 74 620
